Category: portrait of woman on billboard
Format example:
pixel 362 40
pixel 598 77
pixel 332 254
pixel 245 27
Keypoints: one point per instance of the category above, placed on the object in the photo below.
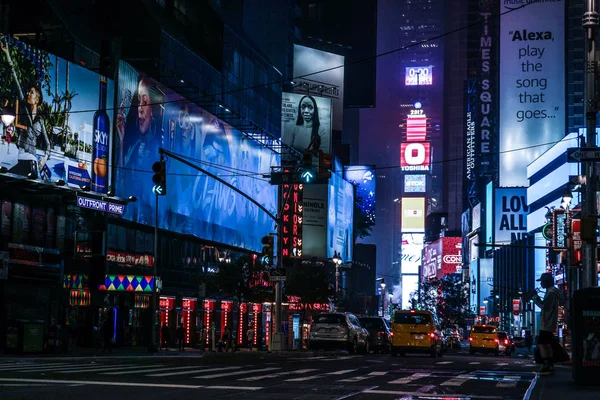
pixel 310 131
pixel 140 135
pixel 34 136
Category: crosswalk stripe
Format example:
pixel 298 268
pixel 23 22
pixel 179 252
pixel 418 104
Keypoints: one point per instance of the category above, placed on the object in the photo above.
pixel 501 364
pixel 113 368
pixel 276 375
pixel 408 379
pixel 459 380
pixel 341 372
pixel 196 371
pixel 145 371
pixel 18 367
pixel 317 376
pixel 445 362
pixel 228 374
pixel 474 363
pixel 509 381
pixel 363 377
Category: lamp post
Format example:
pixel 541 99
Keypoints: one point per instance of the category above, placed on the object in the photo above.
pixel 8 117
pixel 382 284
pixel 337 260
pixel 567 275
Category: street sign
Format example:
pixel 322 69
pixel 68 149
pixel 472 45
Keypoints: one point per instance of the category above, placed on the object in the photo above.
pixel 281 178
pixel 277 274
pixel 577 154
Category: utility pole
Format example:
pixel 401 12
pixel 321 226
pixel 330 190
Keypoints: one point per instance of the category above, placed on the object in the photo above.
pixel 590 25
pixel 277 337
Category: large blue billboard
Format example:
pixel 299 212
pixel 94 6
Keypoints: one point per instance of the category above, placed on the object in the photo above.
pixel 340 234
pixel 363 178
pixel 151 116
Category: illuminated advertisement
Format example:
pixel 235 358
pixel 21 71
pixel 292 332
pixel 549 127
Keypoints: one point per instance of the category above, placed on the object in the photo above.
pixel 314 221
pixel 306 122
pixel 364 179
pixel 62 130
pixel 415 156
pixel 470 133
pixel 410 259
pixel 510 216
pixel 532 86
pixel 486 278
pixel 410 285
pixel 416 126
pixel 340 235
pixel 416 183
pixel 150 116
pixel 320 73
pixel 422 76
pixel 442 257
pixel 292 226
pixel 413 215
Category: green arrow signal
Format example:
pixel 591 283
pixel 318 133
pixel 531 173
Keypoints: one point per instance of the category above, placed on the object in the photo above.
pixel 307 176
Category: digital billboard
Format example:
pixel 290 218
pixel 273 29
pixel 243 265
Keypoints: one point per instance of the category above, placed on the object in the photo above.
pixel 306 121
pixel 412 245
pixel 422 76
pixel 413 215
pixel 410 285
pixel 415 183
pixel 150 116
pixel 442 257
pixel 316 72
pixel 340 234
pixel 415 156
pixel 416 126
pixel 510 218
pixel 364 179
pixel 62 130
pixel 532 85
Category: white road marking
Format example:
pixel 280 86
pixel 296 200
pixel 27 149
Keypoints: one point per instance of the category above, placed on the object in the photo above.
pixel 222 387
pixel 501 364
pixel 317 376
pixel 459 380
pixel 276 375
pixel 196 371
pixel 102 369
pixel 341 372
pixel 509 381
pixel 228 374
pixel 145 371
pixel 408 379
pixel 474 363
pixel 445 362
pixel 20 367
pixel 362 378
pixel 417 394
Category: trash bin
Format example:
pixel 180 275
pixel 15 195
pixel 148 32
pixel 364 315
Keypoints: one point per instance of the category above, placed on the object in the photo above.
pixel 33 336
pixel 586 336
pixel 12 337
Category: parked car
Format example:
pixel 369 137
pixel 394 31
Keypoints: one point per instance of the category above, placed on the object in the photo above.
pixel 519 341
pixel 338 330
pixel 416 331
pixel 380 335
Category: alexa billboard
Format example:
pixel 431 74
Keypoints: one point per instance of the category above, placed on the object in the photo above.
pixel 151 116
pixel 61 130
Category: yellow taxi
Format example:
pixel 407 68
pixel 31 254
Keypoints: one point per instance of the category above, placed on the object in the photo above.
pixel 416 331
pixel 484 339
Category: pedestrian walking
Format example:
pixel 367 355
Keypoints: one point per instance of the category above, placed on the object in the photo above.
pixel 548 321
pixel 164 333
pixel 181 337
pixel 250 336
pixel 226 338
pixel 528 341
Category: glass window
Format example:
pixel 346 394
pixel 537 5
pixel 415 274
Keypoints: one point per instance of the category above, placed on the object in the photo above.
pixel 412 319
pixel 330 319
pixel 372 323
pixel 483 329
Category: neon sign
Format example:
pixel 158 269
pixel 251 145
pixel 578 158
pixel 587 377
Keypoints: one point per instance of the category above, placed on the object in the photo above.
pixel 292 221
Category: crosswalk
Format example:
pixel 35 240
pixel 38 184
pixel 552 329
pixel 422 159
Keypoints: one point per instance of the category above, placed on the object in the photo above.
pixel 253 377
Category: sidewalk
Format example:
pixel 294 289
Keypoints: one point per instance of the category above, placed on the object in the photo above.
pixel 560 386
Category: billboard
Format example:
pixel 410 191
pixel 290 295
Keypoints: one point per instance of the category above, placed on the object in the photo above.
pixel 62 130
pixel 422 76
pixel 150 116
pixel 304 119
pixel 532 85
pixel 412 245
pixel 316 72
pixel 416 183
pixel 410 284
pixel 510 217
pixel 416 126
pixel 442 257
pixel 413 215
pixel 364 179
pixel 314 221
pixel 415 156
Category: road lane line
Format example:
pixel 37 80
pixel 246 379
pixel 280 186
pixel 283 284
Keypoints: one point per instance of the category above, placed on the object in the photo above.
pixel 228 374
pixel 459 380
pixel 38 366
pixel 103 383
pixel 501 364
pixel 199 371
pixel 408 379
pixel 509 381
pixel 318 376
pixel 362 378
pixel 474 363
pixel 145 371
pixel 102 369
pixel 341 372
pixel 277 375
pixel 445 362
pixel 417 394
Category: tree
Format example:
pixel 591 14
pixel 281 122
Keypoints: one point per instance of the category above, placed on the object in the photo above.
pixel 309 281
pixel 362 224
pixel 447 297
pixel 243 279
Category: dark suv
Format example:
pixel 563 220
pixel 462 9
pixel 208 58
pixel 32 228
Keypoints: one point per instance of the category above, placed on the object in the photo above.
pixel 379 333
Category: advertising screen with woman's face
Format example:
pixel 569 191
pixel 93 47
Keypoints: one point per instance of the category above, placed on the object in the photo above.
pixel 306 122
pixel 151 116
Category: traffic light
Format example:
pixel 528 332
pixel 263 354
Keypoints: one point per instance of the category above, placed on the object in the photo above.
pixel 324 166
pixel 267 250
pixel 159 178
pixel 308 171
pixel 589 228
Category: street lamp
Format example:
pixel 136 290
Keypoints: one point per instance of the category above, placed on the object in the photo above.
pixel 337 260
pixel 8 117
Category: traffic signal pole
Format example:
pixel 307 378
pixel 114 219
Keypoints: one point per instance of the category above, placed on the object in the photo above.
pixel 154 345
pixel 590 25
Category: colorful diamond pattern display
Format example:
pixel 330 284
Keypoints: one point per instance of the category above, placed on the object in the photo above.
pixel 75 281
pixel 127 283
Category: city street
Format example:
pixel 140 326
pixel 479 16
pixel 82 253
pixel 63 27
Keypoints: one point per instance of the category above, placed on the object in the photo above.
pixel 268 376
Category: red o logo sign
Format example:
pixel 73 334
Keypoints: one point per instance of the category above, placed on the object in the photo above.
pixel 415 156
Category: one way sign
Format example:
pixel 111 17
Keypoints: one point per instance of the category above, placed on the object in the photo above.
pixel 576 154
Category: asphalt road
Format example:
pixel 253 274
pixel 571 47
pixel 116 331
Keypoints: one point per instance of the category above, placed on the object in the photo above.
pixel 457 375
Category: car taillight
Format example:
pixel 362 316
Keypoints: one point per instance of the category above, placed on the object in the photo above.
pixel 381 334
pixel 391 333
pixel 432 335
pixel 496 340
pixel 505 341
pixel 470 339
